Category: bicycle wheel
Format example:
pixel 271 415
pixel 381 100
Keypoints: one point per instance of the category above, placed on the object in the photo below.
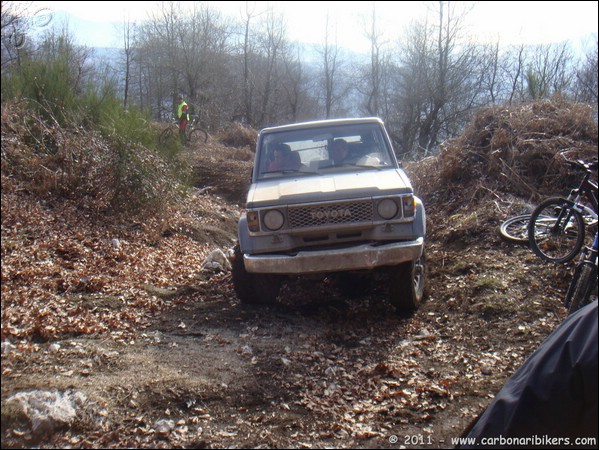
pixel 515 229
pixel 581 287
pixel 556 230
pixel 166 136
pixel 197 135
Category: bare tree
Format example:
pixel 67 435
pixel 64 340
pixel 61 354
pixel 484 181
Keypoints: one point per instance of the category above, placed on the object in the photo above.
pixel 426 91
pixel 203 41
pixel 128 32
pixel 293 86
pixel 586 77
pixel 549 71
pixel 490 71
pixel 516 73
pixel 184 52
pixel 376 69
pixel 272 46
pixel 330 54
pixel 158 46
pixel 439 82
pixel 248 51
pixel 18 20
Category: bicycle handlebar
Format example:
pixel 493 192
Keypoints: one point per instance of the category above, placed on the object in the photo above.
pixel 580 164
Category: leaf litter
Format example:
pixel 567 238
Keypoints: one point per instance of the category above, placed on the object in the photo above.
pixel 166 356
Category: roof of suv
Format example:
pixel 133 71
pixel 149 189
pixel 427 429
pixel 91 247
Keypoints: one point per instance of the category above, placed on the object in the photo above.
pixel 318 123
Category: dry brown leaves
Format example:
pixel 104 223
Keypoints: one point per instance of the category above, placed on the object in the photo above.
pixel 67 272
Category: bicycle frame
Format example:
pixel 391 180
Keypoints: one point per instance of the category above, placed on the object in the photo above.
pixel 586 187
pixel 588 257
pixel 556 230
pixel 194 121
pixel 591 253
pixel 594 251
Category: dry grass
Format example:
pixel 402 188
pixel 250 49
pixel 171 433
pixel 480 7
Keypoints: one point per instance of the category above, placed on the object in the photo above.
pixel 238 135
pixel 514 151
pixel 506 160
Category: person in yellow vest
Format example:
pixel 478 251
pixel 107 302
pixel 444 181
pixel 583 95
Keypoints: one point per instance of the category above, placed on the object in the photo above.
pixel 183 116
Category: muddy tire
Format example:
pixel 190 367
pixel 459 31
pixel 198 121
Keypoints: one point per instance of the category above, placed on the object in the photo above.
pixel 251 288
pixel 406 285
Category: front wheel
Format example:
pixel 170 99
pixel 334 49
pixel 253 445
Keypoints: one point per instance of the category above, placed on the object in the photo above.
pixel 556 230
pixel 406 285
pixel 581 287
pixel 197 135
pixel 252 288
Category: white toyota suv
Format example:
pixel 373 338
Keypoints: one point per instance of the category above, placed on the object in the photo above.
pixel 329 198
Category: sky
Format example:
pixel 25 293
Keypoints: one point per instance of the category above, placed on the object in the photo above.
pixel 508 22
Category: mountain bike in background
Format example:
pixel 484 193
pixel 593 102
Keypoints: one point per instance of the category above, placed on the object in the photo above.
pixel 194 132
pixel 556 229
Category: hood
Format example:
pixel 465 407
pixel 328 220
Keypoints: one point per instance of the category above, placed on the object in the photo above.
pixel 334 186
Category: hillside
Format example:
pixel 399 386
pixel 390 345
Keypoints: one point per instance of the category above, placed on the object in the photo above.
pixel 121 320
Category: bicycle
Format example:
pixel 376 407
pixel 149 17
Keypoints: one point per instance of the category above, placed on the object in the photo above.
pixel 515 229
pixel 556 229
pixel 193 132
pixel 584 280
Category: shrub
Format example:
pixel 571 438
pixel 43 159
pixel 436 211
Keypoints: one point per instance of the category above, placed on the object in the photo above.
pixel 239 136
pixel 106 171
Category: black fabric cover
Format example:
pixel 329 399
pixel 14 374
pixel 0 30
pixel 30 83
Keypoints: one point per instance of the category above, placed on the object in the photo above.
pixel 552 398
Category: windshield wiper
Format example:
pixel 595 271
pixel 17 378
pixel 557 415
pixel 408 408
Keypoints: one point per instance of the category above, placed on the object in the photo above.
pixel 307 172
pixel 348 164
pixel 368 166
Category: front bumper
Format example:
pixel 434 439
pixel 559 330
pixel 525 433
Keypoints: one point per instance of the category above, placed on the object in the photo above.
pixel 364 256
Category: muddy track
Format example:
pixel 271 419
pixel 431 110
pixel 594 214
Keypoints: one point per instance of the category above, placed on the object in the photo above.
pixel 314 370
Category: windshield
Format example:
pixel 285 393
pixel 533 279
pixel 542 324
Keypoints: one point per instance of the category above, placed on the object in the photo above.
pixel 320 150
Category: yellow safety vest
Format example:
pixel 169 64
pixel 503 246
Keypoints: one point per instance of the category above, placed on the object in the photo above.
pixel 180 110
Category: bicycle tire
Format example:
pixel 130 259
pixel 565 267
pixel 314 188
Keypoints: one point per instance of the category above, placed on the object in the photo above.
pixel 515 229
pixel 553 238
pixel 573 284
pixel 198 134
pixel 582 285
pixel 166 136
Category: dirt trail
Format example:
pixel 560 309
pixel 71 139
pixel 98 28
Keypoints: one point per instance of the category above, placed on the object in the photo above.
pixel 167 356
pixel 316 370
pixel 164 355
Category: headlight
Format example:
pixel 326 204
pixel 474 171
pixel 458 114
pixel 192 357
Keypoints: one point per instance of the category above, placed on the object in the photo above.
pixel 273 219
pixel 387 208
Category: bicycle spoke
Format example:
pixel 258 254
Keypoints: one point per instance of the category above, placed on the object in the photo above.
pixel 556 230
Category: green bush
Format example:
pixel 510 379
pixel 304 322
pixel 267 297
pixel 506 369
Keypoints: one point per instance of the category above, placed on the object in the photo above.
pixel 47 85
pixel 85 145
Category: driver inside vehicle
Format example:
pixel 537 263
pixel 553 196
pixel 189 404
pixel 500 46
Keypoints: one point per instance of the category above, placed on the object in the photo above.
pixel 284 159
pixel 339 151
